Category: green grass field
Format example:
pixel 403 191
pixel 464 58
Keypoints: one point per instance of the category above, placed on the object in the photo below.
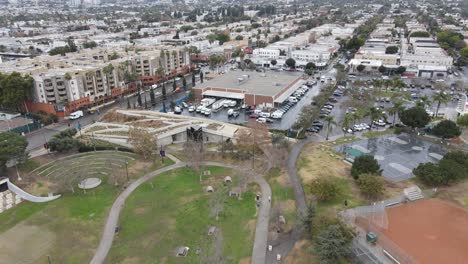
pixel 70 227
pixel 173 210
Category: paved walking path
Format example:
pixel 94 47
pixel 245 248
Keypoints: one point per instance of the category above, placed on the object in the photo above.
pixel 261 231
pixel 263 218
pixel 112 220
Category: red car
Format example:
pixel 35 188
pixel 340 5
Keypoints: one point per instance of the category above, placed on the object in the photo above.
pixel 254 116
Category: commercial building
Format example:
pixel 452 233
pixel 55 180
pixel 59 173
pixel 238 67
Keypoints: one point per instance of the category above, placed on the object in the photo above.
pixel 252 88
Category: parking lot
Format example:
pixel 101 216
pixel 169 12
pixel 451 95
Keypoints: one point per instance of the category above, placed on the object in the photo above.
pixel 397 155
pixel 285 122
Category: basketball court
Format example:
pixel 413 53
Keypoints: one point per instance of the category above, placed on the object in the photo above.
pixel 431 231
pixel 397 155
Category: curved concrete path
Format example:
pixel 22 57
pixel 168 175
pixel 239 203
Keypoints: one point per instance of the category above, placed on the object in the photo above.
pixel 285 244
pixel 261 231
pixel 112 220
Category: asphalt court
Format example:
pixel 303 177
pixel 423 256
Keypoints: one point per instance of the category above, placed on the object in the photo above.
pixel 397 155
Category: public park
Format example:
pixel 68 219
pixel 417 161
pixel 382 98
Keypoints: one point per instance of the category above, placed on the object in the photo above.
pixel 146 187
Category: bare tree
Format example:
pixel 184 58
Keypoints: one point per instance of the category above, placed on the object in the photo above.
pixel 194 152
pixel 117 174
pixel 216 202
pixel 242 183
pixel 144 143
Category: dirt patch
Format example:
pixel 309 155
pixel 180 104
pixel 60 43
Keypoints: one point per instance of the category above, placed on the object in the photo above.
pixel 283 179
pixel 115 117
pixel 288 206
pixel 456 193
pixel 14 242
pixel 149 123
pixel 318 160
pixel 138 167
pixel 187 199
pixel 250 225
pixel 245 260
pixel 440 238
pixel 139 210
pixel 300 254
pixel 131 260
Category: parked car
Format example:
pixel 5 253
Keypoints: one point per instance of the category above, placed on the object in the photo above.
pixel 191 108
pixel 261 120
pixel 313 130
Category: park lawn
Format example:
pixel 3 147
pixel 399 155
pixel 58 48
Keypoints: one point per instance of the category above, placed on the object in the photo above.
pixel 70 227
pixel 318 160
pixel 173 210
pixel 75 220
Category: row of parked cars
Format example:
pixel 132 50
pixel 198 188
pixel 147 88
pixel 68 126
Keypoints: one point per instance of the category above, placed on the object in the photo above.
pixel 265 117
pixel 328 107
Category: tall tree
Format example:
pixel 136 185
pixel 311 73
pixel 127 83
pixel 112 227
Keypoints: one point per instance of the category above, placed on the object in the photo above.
pixel 347 122
pixel 374 114
pixel 163 91
pixel 415 117
pixel 193 80
pixel 184 83
pixel 332 245
pixel 441 98
pixel 201 76
pixel 152 97
pixel 396 109
pixel 14 90
pixel 12 147
pixel 330 120
pixel 143 142
pixel 174 85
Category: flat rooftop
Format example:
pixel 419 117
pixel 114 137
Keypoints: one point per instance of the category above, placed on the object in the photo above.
pixel 268 83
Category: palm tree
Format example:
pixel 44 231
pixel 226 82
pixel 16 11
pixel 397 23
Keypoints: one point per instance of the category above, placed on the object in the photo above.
pixel 330 121
pixel 374 114
pixel 423 102
pixel 159 71
pixel 378 84
pixel 347 122
pixel 396 109
pixel 441 98
pixel 387 83
pixel 398 83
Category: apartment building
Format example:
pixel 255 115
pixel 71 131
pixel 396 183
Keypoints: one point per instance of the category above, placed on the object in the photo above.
pixel 80 79
pixel 266 53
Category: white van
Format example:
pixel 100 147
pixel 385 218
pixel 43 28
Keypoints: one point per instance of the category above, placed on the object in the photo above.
pixel 76 115
pixel 265 114
pixel 292 99
pixel 277 115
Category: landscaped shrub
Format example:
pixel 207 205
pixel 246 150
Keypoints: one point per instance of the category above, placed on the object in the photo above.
pixel 365 164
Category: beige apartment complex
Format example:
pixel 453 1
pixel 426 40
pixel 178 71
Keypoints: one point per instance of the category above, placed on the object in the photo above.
pixel 83 78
